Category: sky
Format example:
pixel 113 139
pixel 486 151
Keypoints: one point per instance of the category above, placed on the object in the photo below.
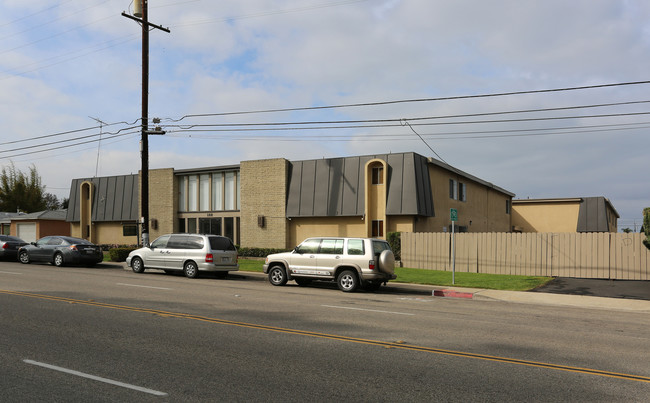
pixel 462 81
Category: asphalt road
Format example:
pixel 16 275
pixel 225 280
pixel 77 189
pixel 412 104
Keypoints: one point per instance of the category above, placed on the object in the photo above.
pixel 104 334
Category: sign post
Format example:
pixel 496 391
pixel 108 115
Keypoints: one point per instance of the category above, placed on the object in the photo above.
pixel 454 217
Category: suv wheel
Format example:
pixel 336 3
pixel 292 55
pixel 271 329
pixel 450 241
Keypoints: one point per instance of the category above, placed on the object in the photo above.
pixel 347 281
pixel 190 270
pixel 277 275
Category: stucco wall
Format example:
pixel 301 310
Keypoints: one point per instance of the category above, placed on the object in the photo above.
pixel 545 217
pixel 483 211
pixel 163 202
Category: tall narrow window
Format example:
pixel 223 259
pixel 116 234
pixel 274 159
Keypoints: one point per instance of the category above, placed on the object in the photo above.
pixel 230 191
pixel 507 206
pixel 204 192
pixel 378 175
pixel 192 193
pixel 377 228
pixel 453 189
pixel 462 192
pixel 182 193
pixel 217 191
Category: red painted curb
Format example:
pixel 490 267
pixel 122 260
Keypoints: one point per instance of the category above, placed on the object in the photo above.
pixel 452 293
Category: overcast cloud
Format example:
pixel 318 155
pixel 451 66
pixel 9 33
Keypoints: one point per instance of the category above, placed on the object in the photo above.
pixel 63 62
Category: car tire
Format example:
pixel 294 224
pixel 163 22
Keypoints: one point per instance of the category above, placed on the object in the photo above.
pixel 387 262
pixel 303 281
pixel 347 281
pixel 137 265
pixel 57 260
pixel 190 270
pixel 23 257
pixel 277 275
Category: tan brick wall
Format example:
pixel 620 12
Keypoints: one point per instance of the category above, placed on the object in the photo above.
pixel 264 193
pixel 163 201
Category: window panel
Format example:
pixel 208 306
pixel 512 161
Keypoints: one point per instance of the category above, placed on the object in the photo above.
pixel 182 193
pixel 204 192
pixel 192 190
pixel 230 191
pixel 217 191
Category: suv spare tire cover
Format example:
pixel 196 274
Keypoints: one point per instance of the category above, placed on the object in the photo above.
pixel 387 261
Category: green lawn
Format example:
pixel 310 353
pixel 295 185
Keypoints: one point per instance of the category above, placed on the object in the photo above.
pixel 444 278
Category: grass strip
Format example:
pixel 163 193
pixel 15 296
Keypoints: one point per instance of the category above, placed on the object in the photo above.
pixel 444 278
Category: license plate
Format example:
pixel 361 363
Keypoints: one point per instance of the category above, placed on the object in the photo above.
pixel 90 252
pixel 225 260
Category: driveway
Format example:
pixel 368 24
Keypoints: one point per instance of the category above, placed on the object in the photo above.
pixel 628 289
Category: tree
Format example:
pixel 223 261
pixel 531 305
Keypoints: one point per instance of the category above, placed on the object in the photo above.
pixel 20 191
pixel 51 202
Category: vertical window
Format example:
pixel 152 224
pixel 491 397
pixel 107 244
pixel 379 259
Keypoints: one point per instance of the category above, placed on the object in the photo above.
pixel 378 175
pixel 230 191
pixel 507 206
pixel 181 225
pixel 462 192
pixel 238 193
pixel 204 192
pixel 229 227
pixel 182 193
pixel 217 191
pixel 377 228
pixel 192 193
pixel 191 225
pixel 453 189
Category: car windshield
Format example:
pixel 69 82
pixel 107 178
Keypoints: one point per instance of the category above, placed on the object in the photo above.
pixel 309 246
pixel 160 242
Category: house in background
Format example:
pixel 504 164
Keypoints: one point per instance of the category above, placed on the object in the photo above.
pixel 5 222
pixel 104 210
pixel 33 226
pixel 580 214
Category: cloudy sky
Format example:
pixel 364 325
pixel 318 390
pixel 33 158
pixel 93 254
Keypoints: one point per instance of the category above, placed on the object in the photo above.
pixel 219 77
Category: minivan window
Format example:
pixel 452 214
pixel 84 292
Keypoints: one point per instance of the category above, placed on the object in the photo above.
pixel 160 242
pixel 185 242
pixel 355 247
pixel 221 243
pixel 331 246
pixel 309 246
pixel 194 242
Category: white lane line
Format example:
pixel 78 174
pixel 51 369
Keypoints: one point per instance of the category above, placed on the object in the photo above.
pixel 96 378
pixel 143 286
pixel 9 272
pixel 369 310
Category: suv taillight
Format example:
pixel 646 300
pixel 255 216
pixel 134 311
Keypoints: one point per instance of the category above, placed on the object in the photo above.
pixel 5 246
pixel 209 258
pixel 371 265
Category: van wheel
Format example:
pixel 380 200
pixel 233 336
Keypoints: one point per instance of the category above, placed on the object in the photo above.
pixel 190 270
pixel 347 281
pixel 136 265
pixel 277 275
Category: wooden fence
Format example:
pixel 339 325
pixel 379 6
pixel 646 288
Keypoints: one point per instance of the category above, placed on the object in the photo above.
pixel 617 256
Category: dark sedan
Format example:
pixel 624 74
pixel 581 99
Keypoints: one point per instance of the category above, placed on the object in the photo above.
pixel 9 246
pixel 61 250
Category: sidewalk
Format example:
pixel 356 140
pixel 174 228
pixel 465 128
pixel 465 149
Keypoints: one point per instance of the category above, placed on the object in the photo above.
pixel 523 297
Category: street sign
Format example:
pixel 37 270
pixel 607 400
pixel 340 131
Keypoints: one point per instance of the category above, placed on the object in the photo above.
pixel 454 215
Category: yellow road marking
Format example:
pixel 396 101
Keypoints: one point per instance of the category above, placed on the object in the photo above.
pixel 399 344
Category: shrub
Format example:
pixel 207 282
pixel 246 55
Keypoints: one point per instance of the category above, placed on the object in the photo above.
pixel 119 254
pixel 646 226
pixel 395 241
pixel 257 252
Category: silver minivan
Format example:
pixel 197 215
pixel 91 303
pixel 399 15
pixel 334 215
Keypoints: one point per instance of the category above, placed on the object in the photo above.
pixel 190 253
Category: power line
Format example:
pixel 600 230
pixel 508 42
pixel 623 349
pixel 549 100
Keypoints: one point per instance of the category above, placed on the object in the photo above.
pixel 381 103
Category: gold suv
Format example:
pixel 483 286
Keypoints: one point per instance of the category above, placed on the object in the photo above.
pixel 351 262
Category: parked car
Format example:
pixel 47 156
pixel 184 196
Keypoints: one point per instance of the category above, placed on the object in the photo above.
pixel 60 251
pixel 9 246
pixel 191 253
pixel 351 262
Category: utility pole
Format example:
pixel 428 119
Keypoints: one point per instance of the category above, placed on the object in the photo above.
pixel 141 10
